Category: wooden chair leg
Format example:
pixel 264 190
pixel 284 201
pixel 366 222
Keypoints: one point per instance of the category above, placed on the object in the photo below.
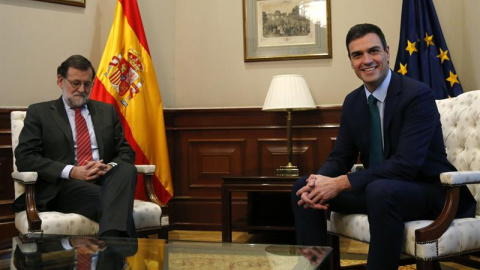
pixel 163 233
pixel 428 265
pixel 334 242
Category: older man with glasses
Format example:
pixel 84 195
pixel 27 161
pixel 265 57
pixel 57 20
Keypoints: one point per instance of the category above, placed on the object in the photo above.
pixel 78 148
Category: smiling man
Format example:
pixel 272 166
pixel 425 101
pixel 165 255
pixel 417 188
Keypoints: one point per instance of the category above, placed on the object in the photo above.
pixel 392 122
pixel 78 148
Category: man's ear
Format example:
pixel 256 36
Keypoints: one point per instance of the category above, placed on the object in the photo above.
pixel 60 81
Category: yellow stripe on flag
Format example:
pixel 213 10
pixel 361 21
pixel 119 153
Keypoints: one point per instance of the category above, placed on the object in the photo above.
pixel 127 80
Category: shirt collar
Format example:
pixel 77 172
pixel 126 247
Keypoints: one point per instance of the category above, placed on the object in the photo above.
pixel 381 92
pixel 68 108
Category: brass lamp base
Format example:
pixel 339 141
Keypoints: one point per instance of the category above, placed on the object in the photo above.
pixel 288 170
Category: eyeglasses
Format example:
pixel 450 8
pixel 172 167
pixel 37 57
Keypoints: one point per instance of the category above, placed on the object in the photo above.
pixel 77 84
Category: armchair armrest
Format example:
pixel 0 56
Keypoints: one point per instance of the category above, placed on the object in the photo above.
pixel 28 179
pixel 453 181
pixel 357 167
pixel 460 178
pixel 436 229
pixel 25 178
pixel 148 171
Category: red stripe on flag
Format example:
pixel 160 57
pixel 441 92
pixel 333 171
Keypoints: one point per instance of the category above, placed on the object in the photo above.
pixel 130 9
pixel 163 195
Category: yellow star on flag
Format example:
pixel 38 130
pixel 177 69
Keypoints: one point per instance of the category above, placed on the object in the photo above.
pixel 411 47
pixel 443 55
pixel 453 79
pixel 403 69
pixel 429 39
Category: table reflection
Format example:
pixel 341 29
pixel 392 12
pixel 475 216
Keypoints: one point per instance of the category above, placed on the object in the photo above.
pixel 130 253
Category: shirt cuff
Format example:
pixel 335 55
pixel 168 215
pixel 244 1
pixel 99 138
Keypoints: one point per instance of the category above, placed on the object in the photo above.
pixel 113 164
pixel 66 243
pixel 66 172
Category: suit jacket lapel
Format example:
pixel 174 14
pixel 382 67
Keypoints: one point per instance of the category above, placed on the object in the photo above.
pixel 59 115
pixel 97 120
pixel 362 117
pixel 390 105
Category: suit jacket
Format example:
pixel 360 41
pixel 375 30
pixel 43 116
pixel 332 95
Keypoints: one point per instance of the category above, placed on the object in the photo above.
pixel 414 149
pixel 46 145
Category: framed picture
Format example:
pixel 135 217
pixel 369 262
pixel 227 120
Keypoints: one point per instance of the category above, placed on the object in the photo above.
pixel 78 3
pixel 286 29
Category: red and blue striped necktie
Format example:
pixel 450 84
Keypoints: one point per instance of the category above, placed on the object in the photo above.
pixel 84 144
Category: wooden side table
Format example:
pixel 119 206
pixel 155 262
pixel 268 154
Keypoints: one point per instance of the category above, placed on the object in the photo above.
pixel 249 184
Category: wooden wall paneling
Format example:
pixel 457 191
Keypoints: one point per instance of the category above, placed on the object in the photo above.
pixel 205 214
pixel 210 144
pixel 273 154
pixel 7 217
pixel 6 168
pixel 209 160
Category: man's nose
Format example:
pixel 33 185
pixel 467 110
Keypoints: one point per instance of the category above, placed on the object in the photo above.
pixel 82 88
pixel 367 59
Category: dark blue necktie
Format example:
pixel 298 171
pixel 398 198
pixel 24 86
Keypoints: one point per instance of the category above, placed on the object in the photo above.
pixel 376 147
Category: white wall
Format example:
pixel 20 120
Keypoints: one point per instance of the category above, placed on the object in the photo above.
pixel 197 48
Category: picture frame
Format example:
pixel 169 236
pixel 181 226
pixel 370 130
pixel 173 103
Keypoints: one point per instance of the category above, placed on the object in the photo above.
pixel 78 3
pixel 286 30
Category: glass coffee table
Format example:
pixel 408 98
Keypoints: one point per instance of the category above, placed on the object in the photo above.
pixel 117 253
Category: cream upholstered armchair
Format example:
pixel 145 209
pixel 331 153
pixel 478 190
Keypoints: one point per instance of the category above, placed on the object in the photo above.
pixel 149 216
pixel 432 240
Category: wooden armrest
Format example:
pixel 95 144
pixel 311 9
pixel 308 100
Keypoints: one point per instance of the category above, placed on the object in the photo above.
pixel 149 190
pixel 436 229
pixel 28 179
pixel 34 221
pixel 453 181
pixel 148 171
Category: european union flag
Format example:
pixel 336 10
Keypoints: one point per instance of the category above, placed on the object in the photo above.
pixel 423 53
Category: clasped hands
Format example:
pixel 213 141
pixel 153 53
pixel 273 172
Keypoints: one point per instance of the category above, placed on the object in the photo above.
pixel 90 171
pixel 319 189
pixel 315 255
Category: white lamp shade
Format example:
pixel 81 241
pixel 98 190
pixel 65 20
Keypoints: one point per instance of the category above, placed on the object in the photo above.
pixel 288 92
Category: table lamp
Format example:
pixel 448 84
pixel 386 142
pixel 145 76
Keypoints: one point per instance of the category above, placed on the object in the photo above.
pixel 288 93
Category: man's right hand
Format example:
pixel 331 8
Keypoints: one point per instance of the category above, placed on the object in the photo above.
pixel 90 171
pixel 319 189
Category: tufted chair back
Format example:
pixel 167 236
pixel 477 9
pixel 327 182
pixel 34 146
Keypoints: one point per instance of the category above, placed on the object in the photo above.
pixel 460 118
pixel 16 118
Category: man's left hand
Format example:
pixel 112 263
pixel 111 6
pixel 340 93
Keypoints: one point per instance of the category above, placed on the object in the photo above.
pixel 97 169
pixel 320 189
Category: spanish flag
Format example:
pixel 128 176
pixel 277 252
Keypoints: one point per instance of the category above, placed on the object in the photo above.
pixel 126 79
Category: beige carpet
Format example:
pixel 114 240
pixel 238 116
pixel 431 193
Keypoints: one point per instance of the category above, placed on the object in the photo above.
pixel 260 263
pixel 354 262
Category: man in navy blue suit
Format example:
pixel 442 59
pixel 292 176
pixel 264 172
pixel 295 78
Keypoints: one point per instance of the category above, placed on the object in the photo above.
pixel 404 185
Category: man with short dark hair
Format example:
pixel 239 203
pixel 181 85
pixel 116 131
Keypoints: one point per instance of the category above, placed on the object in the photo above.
pixel 403 160
pixel 78 148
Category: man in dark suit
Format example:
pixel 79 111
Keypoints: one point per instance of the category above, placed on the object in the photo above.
pixel 403 184
pixel 102 187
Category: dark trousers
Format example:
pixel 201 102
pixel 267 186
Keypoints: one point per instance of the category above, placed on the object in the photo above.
pixel 388 204
pixel 108 201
